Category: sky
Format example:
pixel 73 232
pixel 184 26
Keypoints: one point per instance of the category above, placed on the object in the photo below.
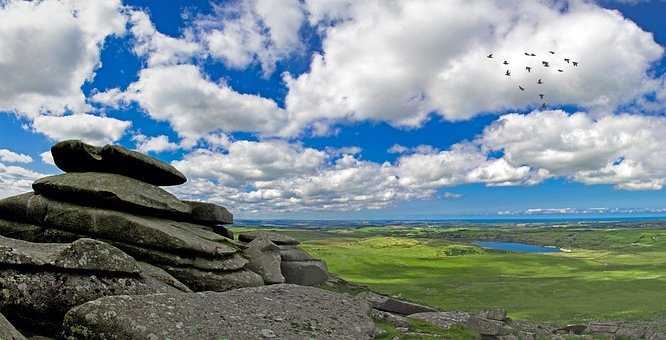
pixel 330 109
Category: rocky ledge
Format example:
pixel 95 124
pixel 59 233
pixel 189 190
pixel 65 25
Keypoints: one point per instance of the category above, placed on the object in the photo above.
pixel 103 238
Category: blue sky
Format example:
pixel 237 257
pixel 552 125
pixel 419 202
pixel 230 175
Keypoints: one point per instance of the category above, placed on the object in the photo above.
pixel 296 109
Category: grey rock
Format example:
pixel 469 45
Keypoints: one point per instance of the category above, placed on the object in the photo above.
pixel 21 231
pixel 393 305
pixel 159 274
pixel 7 330
pixel 37 299
pixel 209 213
pixel 306 273
pixel 442 319
pixel 264 257
pixel 603 328
pixel 493 314
pixel 111 191
pixel 227 263
pixel 293 253
pixel 199 280
pixel 76 156
pixel 279 239
pixel 222 230
pixel 390 318
pixel 148 232
pixel 285 311
pixel 487 326
pixel 82 254
pixel 572 329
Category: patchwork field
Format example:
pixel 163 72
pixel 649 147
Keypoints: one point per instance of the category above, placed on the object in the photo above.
pixel 607 274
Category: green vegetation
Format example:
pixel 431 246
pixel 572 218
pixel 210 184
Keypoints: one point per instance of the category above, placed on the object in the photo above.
pixel 421 330
pixel 609 274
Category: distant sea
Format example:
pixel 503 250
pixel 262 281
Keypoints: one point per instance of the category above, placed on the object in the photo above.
pixel 588 220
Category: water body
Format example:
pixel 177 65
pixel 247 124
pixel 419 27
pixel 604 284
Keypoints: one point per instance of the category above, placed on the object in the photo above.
pixel 516 247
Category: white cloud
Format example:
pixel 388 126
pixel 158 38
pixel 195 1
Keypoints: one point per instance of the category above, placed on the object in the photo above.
pixel 9 156
pixel 157 47
pixel 242 32
pixel 92 129
pixel 47 158
pixel 15 180
pixel 397 61
pixel 624 150
pixel 48 49
pixel 196 106
pixel 155 144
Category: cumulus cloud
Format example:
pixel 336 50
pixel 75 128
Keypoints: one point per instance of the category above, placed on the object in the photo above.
pixel 48 49
pixel 9 156
pixel 398 61
pixel 194 105
pixel 243 32
pixel 159 48
pixel 89 128
pixel 155 144
pixel 15 180
pixel 47 158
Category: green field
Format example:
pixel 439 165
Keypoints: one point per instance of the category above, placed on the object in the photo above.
pixel 610 274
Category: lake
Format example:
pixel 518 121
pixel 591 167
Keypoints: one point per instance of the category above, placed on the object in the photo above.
pixel 516 247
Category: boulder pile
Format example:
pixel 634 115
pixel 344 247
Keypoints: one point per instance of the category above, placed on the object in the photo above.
pixel 106 227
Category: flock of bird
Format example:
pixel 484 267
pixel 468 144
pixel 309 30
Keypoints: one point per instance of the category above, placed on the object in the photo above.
pixel 544 63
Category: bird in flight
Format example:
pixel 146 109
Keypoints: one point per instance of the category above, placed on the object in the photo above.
pixel 529 69
pixel 575 63
pixel 541 96
pixel 527 54
pixel 539 81
pixel 551 52
pixel 545 64
pixel 521 88
pixel 508 73
pixel 567 60
pixel 505 62
pixel 560 70
pixel 490 56
pixel 532 55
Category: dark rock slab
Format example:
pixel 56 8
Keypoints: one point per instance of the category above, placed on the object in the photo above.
pixel 7 330
pixel 145 231
pixel 21 231
pixel 209 213
pixel 276 311
pixel 160 275
pixel 199 280
pixel 443 320
pixel 293 253
pixel 393 305
pixel 144 168
pixel 264 257
pixel 83 254
pixel 157 257
pixel 39 299
pixel 111 191
pixel 222 230
pixel 279 239
pixel 306 273
pixel 76 156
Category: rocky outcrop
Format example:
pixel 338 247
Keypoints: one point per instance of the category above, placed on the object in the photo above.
pixel 209 214
pixel 76 156
pixel 279 239
pixel 393 305
pixel 200 280
pixel 276 311
pixel 7 330
pixel 307 273
pixel 264 259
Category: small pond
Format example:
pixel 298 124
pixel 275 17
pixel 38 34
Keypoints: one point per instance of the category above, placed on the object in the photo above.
pixel 516 247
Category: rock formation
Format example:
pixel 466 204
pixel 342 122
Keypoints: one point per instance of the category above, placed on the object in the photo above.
pixel 105 227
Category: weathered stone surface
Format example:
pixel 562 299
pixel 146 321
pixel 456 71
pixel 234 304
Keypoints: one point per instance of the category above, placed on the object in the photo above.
pixel 222 230
pixel 493 314
pixel 19 230
pixel 41 298
pixel 487 326
pixel 7 330
pixel 118 226
pixel 293 253
pixel 571 329
pixel 76 156
pixel 199 280
pixel 111 191
pixel 393 319
pixel 603 328
pixel 279 311
pixel 264 257
pixel 443 319
pixel 82 254
pixel 393 305
pixel 279 239
pixel 209 213
pixel 306 273
pixel 228 263
pixel 137 165
pixel 160 275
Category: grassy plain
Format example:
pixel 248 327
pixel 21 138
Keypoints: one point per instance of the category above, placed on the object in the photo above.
pixel 609 273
